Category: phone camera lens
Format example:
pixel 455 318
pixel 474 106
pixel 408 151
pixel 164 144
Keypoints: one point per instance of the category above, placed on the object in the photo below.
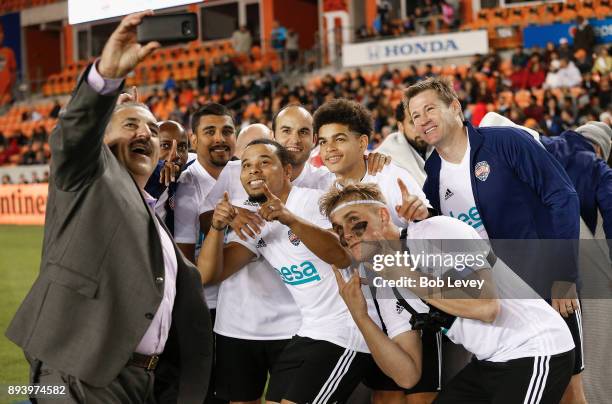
pixel 187 29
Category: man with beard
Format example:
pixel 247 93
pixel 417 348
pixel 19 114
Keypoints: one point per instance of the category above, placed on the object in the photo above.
pixel 406 148
pixel 256 315
pixel 115 299
pixel 214 139
pixel 326 358
pixel 507 186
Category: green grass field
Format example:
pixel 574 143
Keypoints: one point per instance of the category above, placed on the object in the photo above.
pixel 20 248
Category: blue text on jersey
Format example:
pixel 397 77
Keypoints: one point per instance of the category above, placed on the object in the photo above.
pixel 299 274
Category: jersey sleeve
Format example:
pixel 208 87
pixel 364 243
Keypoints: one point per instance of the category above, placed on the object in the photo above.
pixel 250 243
pixel 395 317
pixel 216 192
pixel 311 206
pixel 186 212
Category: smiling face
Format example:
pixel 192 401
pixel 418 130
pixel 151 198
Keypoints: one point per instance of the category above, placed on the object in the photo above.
pixel 215 140
pixel 357 224
pixel 342 150
pixel 169 132
pixel 132 135
pixel 293 129
pixel 261 165
pixel 433 120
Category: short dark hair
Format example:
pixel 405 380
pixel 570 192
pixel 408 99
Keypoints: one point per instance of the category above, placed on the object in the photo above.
pixel 293 105
pixel 282 153
pixel 344 112
pixel 211 108
pixel 400 112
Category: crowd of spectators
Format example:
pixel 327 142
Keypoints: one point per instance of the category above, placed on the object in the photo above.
pixel 423 17
pixel 550 90
pixel 32 178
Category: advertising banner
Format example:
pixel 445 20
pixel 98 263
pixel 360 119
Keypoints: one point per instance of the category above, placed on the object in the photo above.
pixel 539 35
pixel 23 204
pixel 409 49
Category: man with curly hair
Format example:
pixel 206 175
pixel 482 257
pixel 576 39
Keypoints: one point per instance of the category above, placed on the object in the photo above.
pixel 344 128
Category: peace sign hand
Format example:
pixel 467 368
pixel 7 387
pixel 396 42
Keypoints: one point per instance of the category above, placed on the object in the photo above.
pixel 170 171
pixel 351 293
pixel 412 207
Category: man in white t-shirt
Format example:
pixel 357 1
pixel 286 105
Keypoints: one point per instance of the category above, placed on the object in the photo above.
pixel 256 315
pixel 326 359
pixel 343 128
pixel 504 184
pixel 258 340
pixel 523 350
pixel 214 139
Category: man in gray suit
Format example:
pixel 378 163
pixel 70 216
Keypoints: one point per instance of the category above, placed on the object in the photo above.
pixel 115 304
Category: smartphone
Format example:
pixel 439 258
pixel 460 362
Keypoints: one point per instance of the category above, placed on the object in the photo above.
pixel 168 29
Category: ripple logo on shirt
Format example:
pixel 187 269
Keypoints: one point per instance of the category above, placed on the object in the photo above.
pixel 299 274
pixel 482 169
pixel 472 217
pixel 295 240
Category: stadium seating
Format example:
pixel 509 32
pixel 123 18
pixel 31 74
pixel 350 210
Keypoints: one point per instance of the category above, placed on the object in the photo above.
pixel 486 85
pixel 7 6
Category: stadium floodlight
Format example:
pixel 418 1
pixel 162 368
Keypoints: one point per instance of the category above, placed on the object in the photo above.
pixel 80 11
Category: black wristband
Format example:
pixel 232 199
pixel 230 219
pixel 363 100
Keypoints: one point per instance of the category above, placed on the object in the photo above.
pixel 221 229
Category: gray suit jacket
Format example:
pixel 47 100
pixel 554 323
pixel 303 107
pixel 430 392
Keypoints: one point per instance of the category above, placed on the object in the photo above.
pixel 101 275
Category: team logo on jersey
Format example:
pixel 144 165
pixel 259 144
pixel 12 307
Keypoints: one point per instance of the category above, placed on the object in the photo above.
pixel 448 194
pixel 482 169
pixel 398 307
pixel 299 274
pixel 295 240
pixel 250 203
pixel 261 243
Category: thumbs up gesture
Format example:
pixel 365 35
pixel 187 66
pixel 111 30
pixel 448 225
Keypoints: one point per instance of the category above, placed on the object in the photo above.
pixel 274 209
pixel 412 207
pixel 224 214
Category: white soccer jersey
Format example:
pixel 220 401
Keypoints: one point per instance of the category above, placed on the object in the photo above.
pixel 194 185
pixel 387 182
pixel 253 303
pixel 310 280
pixel 315 178
pixel 456 196
pixel 523 327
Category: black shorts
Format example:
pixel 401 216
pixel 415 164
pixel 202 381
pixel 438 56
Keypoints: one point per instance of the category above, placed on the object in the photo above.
pixel 574 323
pixel 542 380
pixel 431 372
pixel 243 366
pixel 211 396
pixel 314 371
